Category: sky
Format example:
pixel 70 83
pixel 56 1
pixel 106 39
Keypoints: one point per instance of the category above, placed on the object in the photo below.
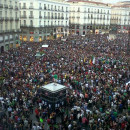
pixel 113 1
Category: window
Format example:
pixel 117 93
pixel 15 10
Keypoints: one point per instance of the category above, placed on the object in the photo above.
pixel 40 13
pixel 24 13
pixel 40 23
pixel 44 6
pixel 89 10
pixel 44 23
pixel 31 4
pixel 1 26
pixel 31 22
pixel 6 26
pixel 5 13
pixel 51 7
pixel 24 22
pixel 11 13
pixel 24 4
pixel 0 14
pixel 20 5
pixel 16 14
pixel 31 13
pixel 11 25
pixel 66 9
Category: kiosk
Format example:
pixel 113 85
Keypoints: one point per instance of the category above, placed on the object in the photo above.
pixel 53 94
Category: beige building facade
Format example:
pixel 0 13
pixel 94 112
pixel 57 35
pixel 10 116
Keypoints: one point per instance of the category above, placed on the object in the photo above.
pixel 41 20
pixel 89 16
pixel 9 24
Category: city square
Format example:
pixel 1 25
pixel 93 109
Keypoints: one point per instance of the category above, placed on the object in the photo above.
pixel 64 65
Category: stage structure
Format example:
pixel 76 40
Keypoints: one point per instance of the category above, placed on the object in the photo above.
pixel 53 94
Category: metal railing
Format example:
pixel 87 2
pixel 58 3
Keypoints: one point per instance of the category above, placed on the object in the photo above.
pixel 1 5
pixel 40 17
pixel 31 7
pixel 24 7
pixel 1 18
pixel 31 16
pixel 23 16
pixel 10 6
pixel 5 5
pixel 16 7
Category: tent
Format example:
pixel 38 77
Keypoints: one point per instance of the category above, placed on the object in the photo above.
pixel 45 46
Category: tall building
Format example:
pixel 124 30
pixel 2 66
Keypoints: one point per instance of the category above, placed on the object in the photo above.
pixel 120 16
pixel 9 24
pixel 89 16
pixel 43 20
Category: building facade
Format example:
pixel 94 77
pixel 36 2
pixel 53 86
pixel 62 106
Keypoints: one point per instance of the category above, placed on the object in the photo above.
pixel 89 16
pixel 9 24
pixel 41 20
pixel 120 18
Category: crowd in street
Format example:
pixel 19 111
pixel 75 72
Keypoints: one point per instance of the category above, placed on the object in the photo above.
pixel 95 70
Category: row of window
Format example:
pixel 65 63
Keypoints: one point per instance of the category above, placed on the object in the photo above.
pixel 46 7
pixel 48 14
pixel 45 23
pixel 8 1
pixel 91 10
pixel 8 14
pixel 8 25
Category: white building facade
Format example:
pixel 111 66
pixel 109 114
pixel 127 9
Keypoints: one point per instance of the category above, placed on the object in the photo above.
pixel 120 18
pixel 9 24
pixel 41 19
pixel 88 16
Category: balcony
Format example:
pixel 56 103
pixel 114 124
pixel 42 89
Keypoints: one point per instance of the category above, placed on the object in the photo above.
pixel 16 19
pixel 5 5
pixel 23 16
pixel 1 18
pixel 40 7
pixel 16 7
pixel 24 7
pixel 10 6
pixel 11 18
pixel 31 7
pixel 23 25
pixel 40 17
pixel 31 16
pixel 1 5
pixel 6 18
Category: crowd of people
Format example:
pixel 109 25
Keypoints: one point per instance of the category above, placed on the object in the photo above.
pixel 95 70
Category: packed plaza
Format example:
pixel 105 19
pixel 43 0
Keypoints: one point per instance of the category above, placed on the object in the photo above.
pixel 64 65
pixel 95 70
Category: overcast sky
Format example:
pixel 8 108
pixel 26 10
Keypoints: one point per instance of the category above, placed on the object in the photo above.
pixel 113 1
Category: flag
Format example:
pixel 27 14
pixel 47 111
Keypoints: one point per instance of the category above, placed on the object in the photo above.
pixel 93 60
pixel 90 62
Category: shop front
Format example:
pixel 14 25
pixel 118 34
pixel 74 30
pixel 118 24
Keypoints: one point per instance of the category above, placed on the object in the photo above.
pixel 31 39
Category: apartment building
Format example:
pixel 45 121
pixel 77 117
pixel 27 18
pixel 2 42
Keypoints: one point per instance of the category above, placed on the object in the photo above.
pixel 9 24
pixel 41 20
pixel 89 16
pixel 120 17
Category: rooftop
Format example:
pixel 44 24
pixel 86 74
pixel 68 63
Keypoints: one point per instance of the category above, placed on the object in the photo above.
pixel 53 87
